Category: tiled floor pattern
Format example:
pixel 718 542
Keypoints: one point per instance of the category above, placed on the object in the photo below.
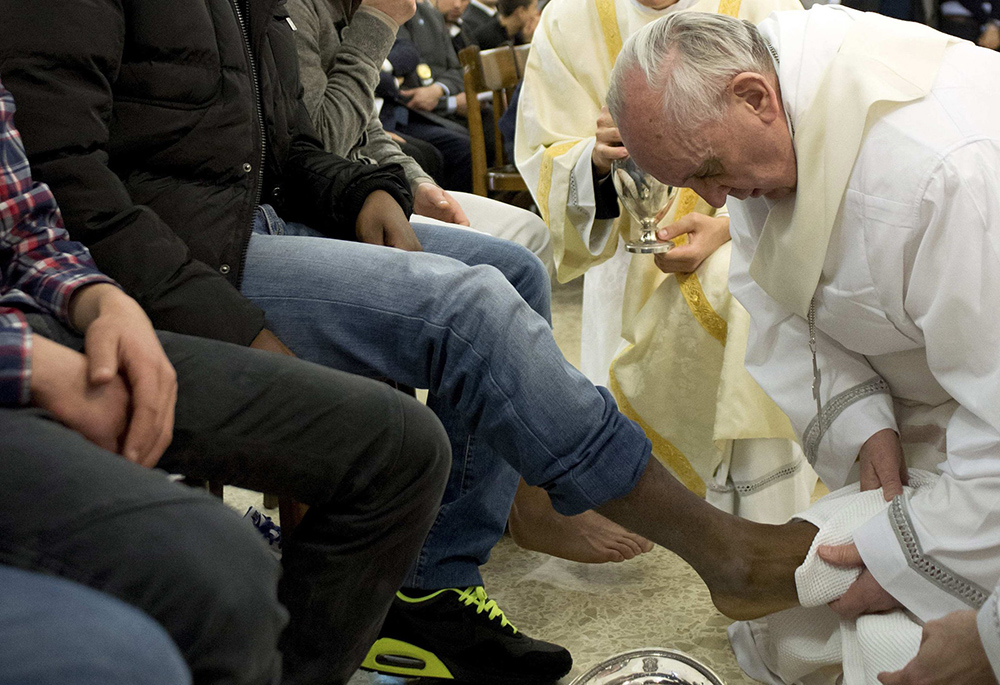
pixel 595 610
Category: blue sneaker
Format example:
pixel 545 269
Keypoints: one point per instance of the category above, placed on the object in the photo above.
pixel 270 531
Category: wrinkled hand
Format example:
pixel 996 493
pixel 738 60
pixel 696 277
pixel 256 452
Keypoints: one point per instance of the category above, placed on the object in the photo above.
pixel 424 98
pixel 705 235
pixel 865 596
pixel 400 11
pixel 951 653
pixel 431 200
pixel 883 465
pixel 990 37
pixel 382 222
pixel 609 146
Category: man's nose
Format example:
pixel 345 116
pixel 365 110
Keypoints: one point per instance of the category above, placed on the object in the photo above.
pixel 715 195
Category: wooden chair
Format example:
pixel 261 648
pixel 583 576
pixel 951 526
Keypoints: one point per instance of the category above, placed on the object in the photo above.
pixel 521 58
pixel 490 71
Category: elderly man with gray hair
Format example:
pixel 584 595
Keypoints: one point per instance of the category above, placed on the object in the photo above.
pixel 861 153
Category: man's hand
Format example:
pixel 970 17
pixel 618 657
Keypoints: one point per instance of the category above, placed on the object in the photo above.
pixel 431 200
pixel 461 105
pixel 883 465
pixel 951 653
pixel 400 11
pixel 425 98
pixel 382 222
pixel 609 146
pixel 60 384
pixel 865 596
pixel 269 342
pixel 121 392
pixel 705 235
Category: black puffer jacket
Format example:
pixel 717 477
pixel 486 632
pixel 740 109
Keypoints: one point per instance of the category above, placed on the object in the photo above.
pixel 144 118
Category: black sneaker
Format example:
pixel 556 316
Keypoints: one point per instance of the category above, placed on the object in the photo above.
pixel 462 635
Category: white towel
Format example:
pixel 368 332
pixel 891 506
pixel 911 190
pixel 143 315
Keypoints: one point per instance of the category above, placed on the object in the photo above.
pixel 810 645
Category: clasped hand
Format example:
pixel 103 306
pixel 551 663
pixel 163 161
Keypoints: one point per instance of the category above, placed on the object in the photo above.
pixel 121 391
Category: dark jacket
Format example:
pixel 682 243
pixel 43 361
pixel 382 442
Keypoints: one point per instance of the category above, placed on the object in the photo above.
pixel 473 17
pixel 428 32
pixel 159 139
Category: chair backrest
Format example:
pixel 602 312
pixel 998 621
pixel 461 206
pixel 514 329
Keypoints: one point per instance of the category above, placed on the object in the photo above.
pixel 487 71
pixel 521 58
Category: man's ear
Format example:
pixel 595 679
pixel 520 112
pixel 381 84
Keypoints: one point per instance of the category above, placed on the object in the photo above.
pixel 755 92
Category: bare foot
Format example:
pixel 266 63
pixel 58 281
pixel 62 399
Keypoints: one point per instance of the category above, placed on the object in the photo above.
pixel 758 576
pixel 748 567
pixel 586 537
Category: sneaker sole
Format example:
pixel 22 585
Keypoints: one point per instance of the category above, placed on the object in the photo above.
pixel 395 657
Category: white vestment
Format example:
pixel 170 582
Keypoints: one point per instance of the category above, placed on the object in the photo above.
pixel 906 302
pixel 677 342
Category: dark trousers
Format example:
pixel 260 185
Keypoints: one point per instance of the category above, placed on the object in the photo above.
pixel 454 146
pixel 370 461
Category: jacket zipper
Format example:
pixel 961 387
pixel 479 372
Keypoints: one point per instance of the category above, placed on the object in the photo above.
pixel 260 129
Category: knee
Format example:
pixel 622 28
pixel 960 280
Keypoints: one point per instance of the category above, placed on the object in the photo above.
pixel 426 450
pixel 529 276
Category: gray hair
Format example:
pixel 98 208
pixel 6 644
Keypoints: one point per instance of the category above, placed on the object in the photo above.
pixel 690 57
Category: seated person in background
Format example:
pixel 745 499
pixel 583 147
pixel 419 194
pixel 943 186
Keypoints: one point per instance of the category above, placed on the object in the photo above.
pixel 337 93
pixel 56 632
pixel 398 114
pixel 662 331
pixel 89 401
pixel 513 24
pixel 478 13
pixel 437 85
pixel 453 10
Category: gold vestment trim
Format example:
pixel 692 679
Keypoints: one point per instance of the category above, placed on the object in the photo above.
pixel 663 449
pixel 609 25
pixel 690 286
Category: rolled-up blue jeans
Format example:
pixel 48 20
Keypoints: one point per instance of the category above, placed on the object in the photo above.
pixel 454 319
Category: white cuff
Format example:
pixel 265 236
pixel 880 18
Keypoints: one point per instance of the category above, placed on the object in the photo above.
pixel 881 545
pixel 582 204
pixel 841 443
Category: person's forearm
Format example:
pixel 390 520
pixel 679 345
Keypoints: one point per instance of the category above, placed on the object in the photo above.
pixel 87 303
pixel 339 78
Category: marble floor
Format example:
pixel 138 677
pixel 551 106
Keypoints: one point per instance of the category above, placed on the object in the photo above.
pixel 595 611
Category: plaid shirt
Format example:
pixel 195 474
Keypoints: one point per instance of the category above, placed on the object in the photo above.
pixel 40 268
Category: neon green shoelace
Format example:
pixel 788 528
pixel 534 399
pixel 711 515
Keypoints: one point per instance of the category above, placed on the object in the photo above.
pixel 477 595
